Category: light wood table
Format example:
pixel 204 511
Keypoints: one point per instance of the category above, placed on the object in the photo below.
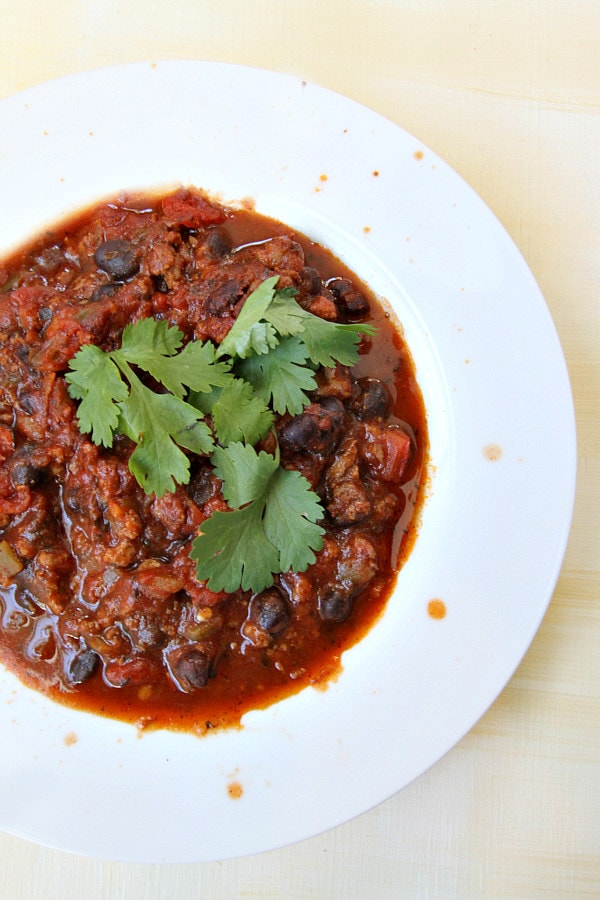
pixel 507 92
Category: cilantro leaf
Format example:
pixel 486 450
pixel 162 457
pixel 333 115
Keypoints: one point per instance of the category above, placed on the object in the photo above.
pixel 144 340
pixel 95 380
pixel 194 367
pixel 233 551
pixel 281 377
pixel 240 415
pixel 152 345
pixel 250 333
pixel 285 315
pixel 268 315
pixel 193 434
pixel 158 423
pixel 205 402
pixel 244 472
pixel 259 338
pixel 113 399
pixel 286 293
pixel 326 342
pixel 273 527
pixel 330 342
pixel 290 517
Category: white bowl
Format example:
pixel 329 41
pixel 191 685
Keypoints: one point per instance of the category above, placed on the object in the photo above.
pixel 495 522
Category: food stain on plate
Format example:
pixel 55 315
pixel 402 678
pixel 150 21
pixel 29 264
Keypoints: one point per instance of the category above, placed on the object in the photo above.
pixel 436 609
pixel 235 790
pixel 492 452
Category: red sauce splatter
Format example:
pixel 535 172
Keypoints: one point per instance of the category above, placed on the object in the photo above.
pixel 235 790
pixel 492 452
pixel 436 609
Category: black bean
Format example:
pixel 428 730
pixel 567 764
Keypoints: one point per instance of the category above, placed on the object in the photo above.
pixel 118 258
pixel 316 430
pixel 201 486
pixel 82 667
pixel 50 260
pixel 218 243
pixel 334 406
pixel 270 611
pixel 190 668
pixel 224 297
pixel 144 631
pixel 104 290
pixel 352 303
pixel 300 433
pixel 27 401
pixel 335 606
pixel 372 400
pixel 310 280
pixel 159 284
pixel 27 473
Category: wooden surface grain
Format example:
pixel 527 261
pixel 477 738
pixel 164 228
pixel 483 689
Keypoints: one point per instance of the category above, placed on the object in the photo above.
pixel 508 93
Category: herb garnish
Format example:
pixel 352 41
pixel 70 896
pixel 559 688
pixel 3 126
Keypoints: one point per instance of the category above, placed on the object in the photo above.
pixel 265 365
pixel 272 525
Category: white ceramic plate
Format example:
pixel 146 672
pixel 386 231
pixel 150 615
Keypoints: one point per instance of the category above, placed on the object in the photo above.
pixel 494 527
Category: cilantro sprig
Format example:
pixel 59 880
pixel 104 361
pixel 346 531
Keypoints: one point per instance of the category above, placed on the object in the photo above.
pixel 271 527
pixel 268 313
pixel 114 400
pixel 265 366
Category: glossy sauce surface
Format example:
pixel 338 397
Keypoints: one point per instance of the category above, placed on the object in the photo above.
pixel 100 606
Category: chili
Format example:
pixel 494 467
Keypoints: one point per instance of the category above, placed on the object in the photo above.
pixel 99 602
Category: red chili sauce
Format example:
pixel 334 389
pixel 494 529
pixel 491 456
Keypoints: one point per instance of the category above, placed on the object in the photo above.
pixel 99 601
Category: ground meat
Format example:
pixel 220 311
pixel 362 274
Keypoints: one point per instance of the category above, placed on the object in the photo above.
pixel 348 500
